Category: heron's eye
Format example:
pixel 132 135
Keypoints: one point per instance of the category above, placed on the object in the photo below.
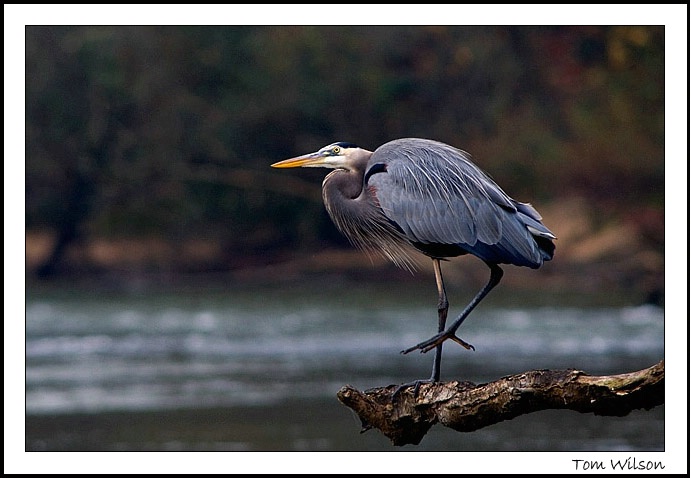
pixel 336 150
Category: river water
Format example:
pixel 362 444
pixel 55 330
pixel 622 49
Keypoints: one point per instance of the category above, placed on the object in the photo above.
pixel 258 368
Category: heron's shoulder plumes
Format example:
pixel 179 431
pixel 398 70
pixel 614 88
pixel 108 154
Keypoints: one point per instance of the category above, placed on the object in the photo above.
pixel 430 169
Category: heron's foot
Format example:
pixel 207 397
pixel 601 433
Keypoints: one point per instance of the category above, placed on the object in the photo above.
pixel 416 387
pixel 438 339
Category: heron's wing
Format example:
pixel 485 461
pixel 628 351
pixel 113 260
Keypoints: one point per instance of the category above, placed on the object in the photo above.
pixel 436 195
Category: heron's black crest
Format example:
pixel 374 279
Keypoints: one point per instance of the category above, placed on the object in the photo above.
pixel 346 145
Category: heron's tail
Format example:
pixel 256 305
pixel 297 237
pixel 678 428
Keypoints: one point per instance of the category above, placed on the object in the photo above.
pixel 533 221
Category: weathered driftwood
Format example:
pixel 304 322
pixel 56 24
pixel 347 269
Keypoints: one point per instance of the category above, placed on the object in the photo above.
pixel 465 406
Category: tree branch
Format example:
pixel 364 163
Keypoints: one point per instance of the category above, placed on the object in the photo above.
pixel 465 406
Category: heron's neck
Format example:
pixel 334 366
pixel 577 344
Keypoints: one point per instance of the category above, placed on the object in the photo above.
pixel 347 183
pixel 342 184
pixel 356 213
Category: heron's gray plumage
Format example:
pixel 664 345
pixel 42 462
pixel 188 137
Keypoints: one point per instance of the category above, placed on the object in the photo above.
pixel 436 196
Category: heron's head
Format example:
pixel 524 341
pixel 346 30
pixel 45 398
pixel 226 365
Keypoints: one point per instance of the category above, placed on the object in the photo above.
pixel 336 156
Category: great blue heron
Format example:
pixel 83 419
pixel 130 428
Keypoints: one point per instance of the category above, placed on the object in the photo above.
pixel 418 194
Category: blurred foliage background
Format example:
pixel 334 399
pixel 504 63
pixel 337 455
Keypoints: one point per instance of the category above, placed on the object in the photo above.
pixel 148 148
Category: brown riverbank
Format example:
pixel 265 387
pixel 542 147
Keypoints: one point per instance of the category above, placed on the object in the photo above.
pixel 622 256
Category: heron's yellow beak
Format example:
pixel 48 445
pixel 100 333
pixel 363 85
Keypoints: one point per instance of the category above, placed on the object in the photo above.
pixel 307 160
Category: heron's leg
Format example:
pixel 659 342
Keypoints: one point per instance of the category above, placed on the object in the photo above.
pixel 496 274
pixel 443 310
